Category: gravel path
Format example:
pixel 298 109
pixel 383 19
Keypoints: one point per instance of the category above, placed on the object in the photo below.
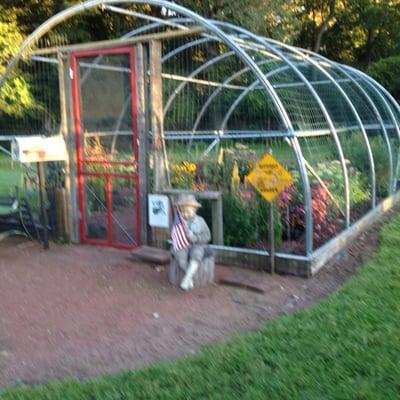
pixel 83 311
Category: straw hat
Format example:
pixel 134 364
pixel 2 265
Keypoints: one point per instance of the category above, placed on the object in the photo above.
pixel 187 200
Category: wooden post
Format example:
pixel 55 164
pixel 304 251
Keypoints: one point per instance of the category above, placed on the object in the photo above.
pixel 64 131
pixel 157 121
pixel 68 131
pixel 142 139
pixel 108 44
pixel 61 214
pixel 272 236
pixel 217 221
pixel 44 218
pixel 271 232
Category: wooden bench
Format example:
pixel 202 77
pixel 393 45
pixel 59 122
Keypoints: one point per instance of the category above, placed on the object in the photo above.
pixel 14 215
pixel 9 210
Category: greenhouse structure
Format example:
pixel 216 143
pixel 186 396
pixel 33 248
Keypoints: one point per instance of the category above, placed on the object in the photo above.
pixel 175 102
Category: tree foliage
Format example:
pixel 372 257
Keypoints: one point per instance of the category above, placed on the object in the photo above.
pixel 387 72
pixel 358 32
pixel 15 95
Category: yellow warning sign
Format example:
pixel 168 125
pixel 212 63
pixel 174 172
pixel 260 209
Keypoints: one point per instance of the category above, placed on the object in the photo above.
pixel 269 177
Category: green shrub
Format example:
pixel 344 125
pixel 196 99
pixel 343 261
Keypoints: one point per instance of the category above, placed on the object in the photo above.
pixel 387 72
pixel 331 172
pixel 247 224
pixel 238 222
pixel 356 151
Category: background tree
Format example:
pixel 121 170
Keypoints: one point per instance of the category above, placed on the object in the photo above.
pixel 363 31
pixel 316 17
pixel 387 72
pixel 272 18
pixel 15 95
pixel 357 32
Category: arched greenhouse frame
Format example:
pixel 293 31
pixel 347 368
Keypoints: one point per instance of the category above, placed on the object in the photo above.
pixel 178 102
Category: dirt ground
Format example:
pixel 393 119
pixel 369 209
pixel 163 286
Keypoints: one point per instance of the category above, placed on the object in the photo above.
pixel 83 311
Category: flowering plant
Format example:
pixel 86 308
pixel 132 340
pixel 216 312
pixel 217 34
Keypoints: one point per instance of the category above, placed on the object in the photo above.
pixel 183 174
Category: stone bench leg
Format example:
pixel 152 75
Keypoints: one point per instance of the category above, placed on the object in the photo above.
pixel 203 277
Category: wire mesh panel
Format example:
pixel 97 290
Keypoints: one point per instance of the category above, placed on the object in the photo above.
pixel 229 96
pixel 327 186
pixel 218 125
pixel 387 119
pixel 124 211
pixel 32 109
pixel 333 89
pixel 394 133
pixel 106 106
pixel 321 150
pixel 95 198
pixel 200 103
pixel 381 131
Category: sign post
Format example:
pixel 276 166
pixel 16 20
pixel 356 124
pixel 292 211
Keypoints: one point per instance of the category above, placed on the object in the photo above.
pixel 271 231
pixel 43 211
pixel 269 178
pixel 272 236
pixel 39 149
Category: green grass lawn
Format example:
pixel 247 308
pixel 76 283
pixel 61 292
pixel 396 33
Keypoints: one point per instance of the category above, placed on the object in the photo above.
pixel 10 175
pixel 347 347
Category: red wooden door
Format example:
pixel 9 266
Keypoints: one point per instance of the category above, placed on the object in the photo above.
pixel 105 120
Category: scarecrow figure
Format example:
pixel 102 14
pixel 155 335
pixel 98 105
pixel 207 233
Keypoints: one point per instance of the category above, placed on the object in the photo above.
pixel 190 234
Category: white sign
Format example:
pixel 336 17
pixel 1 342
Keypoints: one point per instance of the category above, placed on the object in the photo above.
pixel 158 211
pixel 38 148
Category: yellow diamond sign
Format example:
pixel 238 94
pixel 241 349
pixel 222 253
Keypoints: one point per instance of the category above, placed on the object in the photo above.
pixel 269 177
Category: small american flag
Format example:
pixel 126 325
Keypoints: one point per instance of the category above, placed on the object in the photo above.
pixel 179 236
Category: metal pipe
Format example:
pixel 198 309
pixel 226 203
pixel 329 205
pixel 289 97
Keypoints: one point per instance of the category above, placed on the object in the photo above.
pixel 219 89
pixel 207 24
pixel 210 135
pixel 321 105
pixel 246 91
pixel 372 83
pixel 299 158
pixel 143 16
pixel 300 84
pixel 200 81
pixel 298 155
pixel 202 67
pixel 374 86
pixel 185 47
pixel 309 228
pixel 153 26
pixel 259 252
pixel 349 103
pixel 45 59
pixel 137 31
pixel 234 105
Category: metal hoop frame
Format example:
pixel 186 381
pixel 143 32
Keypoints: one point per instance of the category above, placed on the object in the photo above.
pixel 238 43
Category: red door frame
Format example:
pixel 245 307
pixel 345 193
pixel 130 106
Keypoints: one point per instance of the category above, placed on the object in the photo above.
pixel 107 175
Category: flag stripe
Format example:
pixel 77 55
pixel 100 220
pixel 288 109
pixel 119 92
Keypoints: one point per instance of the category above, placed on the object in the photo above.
pixel 179 235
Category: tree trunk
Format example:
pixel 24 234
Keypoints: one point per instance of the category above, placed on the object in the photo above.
pixel 324 26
